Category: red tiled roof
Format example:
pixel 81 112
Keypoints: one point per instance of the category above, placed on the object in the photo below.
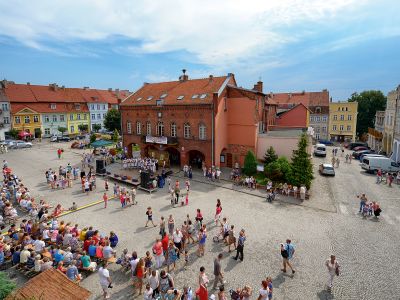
pixel 306 98
pixel 175 89
pixel 19 93
pixel 40 107
pixel 45 93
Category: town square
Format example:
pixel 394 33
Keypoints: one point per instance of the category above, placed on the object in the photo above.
pixel 181 150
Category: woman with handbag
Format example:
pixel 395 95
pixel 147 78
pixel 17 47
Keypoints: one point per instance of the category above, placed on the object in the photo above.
pixel 333 269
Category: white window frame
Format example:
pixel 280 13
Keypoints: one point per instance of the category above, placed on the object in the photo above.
pixel 46 119
pixel 17 120
pixel 173 129
pixel 27 119
pixel 54 117
pixel 341 117
pixel 138 128
pixel 129 127
pixel 62 118
pixel 35 119
pixel 186 131
pixel 348 127
pixel 341 127
pixel 160 128
pixel 334 127
pixel 148 128
pixel 202 131
pixel 47 131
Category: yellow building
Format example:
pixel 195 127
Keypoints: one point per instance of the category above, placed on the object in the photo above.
pixel 343 121
pixel 79 115
pixel 26 119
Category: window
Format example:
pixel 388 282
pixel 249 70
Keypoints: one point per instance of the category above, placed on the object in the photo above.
pixel 17 120
pixel 138 99
pixel 163 96
pixel 78 116
pixel 338 108
pixel 54 118
pixel 104 107
pixel 160 129
pixel 85 116
pixel 62 118
pixel 159 102
pixel 348 127
pixel 341 127
pixel 186 131
pixel 129 127
pixel 323 128
pixel 222 159
pixel 335 117
pixel 104 116
pixel 203 96
pixel 36 119
pixel 341 117
pixel 4 106
pixel 334 127
pixel 71 117
pixel 78 107
pixel 149 98
pixel 317 119
pixel 318 110
pixel 53 106
pixel 173 129
pixel 98 116
pixel 72 129
pixel 6 120
pixel 311 119
pixel 93 116
pixel 46 119
pixel 317 136
pixel 324 119
pixel 317 129
pixel 195 96
pixel 202 132
pixel 346 108
pixel 47 131
pixel 98 106
pixel 148 128
pixel 180 97
pixel 138 128
pixel 349 118
pixel 92 106
pixel 27 119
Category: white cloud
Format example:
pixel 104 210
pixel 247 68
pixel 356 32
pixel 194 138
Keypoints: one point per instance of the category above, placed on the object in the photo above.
pixel 214 33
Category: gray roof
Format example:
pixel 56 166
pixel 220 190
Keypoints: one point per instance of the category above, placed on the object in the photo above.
pixel 284 133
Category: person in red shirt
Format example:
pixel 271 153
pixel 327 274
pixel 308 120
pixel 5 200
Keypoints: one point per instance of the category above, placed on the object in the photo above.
pixel 165 242
pixel 86 244
pixel 105 199
pixel 59 151
pixel 202 293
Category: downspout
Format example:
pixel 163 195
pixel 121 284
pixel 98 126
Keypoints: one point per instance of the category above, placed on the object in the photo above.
pixel 212 135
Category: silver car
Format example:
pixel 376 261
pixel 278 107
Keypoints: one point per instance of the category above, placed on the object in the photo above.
pixel 21 144
pixel 326 169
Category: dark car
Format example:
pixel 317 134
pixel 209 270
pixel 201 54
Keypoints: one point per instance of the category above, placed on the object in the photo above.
pixel 360 148
pixel 356 144
pixel 57 139
pixel 358 154
pixel 326 142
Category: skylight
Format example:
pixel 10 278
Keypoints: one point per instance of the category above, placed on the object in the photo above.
pixel 180 97
pixel 138 99
pixel 195 96
pixel 163 95
pixel 203 96
pixel 150 97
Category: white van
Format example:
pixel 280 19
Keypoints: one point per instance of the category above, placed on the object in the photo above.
pixel 320 150
pixel 373 164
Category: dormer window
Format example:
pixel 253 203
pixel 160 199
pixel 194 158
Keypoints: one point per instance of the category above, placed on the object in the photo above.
pixel 318 110
pixel 53 106
pixel 203 96
pixel 138 99
pixel 163 95
pixel 180 97
pixel 149 98
pixel 77 106
pixel 195 96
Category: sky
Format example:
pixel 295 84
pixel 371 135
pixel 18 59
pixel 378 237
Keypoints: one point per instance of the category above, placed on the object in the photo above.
pixel 344 46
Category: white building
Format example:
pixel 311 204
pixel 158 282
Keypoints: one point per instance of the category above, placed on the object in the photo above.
pixel 5 116
pixel 396 141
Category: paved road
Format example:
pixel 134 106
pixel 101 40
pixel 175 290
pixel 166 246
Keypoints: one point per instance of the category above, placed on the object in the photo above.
pixel 329 223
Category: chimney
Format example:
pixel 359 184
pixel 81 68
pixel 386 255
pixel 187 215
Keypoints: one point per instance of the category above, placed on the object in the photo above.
pixel 258 86
pixel 85 87
pixel 210 78
pixel 271 95
pixel 28 83
pixel 117 92
pixel 331 99
pixel 53 86
pixel 110 89
pixel 183 77
pixel 290 95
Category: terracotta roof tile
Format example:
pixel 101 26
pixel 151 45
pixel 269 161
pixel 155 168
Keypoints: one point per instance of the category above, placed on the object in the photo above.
pixel 19 93
pixel 306 98
pixel 170 91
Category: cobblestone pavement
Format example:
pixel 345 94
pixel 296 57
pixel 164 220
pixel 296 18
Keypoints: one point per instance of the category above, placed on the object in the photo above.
pixel 326 224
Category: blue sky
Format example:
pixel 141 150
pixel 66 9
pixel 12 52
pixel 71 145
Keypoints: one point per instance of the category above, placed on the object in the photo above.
pixel 292 45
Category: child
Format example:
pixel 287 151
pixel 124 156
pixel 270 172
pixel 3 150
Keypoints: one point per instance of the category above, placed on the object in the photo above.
pixel 122 199
pixel 187 198
pixel 105 198
pixel 148 263
pixel 74 206
pixel 106 185
pixel 365 210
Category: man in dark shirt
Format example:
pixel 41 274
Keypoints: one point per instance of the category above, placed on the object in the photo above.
pixel 218 276
pixel 240 245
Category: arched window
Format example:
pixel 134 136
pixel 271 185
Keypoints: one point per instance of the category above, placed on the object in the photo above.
pixel 148 128
pixel 202 131
pixel 138 128
pixel 129 127
pixel 173 129
pixel 186 131
pixel 160 129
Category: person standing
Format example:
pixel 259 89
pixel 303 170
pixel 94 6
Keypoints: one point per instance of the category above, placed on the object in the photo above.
pixel 149 214
pixel 333 270
pixel 177 238
pixel 105 199
pixel 363 201
pixel 133 196
pixel 158 253
pixel 287 252
pixel 105 280
pixel 171 225
pixel 218 275
pixel 240 245
pixel 218 211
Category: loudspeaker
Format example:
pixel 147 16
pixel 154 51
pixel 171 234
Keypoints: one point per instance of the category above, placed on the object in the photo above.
pixel 99 165
pixel 144 179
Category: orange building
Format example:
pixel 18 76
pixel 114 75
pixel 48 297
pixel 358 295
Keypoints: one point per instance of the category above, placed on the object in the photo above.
pixel 207 121
pixel 297 116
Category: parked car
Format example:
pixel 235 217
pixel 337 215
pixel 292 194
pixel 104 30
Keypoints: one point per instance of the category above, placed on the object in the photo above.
pixel 326 142
pixel 20 145
pixel 57 139
pixel 320 150
pixel 362 156
pixel 357 154
pixel 80 137
pixel 326 169
pixel 351 146
pixel 360 148
pixel 373 164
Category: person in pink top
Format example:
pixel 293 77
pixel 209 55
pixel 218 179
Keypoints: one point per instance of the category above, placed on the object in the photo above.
pixel 158 253
pixel 53 235
pixel 218 211
pixel 105 199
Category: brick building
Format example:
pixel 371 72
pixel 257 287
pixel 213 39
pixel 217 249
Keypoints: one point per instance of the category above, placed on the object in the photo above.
pixel 209 120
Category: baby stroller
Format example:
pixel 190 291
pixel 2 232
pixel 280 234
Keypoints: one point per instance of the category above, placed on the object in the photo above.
pixel 219 237
pixel 271 196
pixel 234 295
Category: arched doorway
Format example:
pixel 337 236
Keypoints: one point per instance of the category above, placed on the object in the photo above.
pixel 196 158
pixel 174 156
pixel 149 151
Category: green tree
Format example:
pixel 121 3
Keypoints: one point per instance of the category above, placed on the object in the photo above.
pixel 270 156
pixel 278 170
pixel 301 167
pixel 6 285
pixel 250 164
pixel 96 127
pixel 368 103
pixel 14 133
pixel 115 136
pixel 62 130
pixel 83 127
pixel 92 138
pixel 112 120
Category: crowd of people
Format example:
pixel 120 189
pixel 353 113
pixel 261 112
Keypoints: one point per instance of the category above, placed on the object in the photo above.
pixel 144 164
pixel 212 174
pixel 369 208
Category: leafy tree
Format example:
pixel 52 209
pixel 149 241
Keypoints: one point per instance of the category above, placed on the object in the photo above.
pixel 6 285
pixel 92 138
pixel 270 156
pixel 250 164
pixel 62 129
pixel 301 167
pixel 83 127
pixel 278 170
pixel 96 127
pixel 115 136
pixel 368 103
pixel 14 133
pixel 112 120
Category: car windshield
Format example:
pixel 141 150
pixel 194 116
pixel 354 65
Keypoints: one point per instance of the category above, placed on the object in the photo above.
pixel 321 148
pixel 328 168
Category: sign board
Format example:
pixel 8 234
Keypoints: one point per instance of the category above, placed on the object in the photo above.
pixel 135 154
pixel 157 139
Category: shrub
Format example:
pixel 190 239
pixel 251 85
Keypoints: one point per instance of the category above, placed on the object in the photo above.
pixel 250 164
pixel 6 285
pixel 270 156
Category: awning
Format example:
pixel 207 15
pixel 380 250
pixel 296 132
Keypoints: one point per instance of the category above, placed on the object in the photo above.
pixel 101 143
pixel 23 134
